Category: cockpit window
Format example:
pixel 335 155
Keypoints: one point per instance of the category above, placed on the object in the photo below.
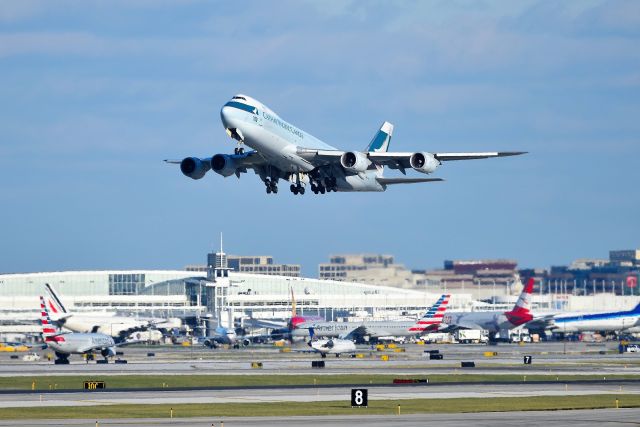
pixel 239 97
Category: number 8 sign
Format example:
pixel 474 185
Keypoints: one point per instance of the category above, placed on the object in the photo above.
pixel 359 397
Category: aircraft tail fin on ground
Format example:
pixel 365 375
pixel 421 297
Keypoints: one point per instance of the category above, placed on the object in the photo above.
pixel 382 139
pixel 49 332
pixel 433 317
pixel 521 312
pixel 54 303
pixel 636 309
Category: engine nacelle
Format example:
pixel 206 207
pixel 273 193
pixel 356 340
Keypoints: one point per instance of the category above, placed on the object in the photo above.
pixel 108 352
pixel 194 167
pixel 223 164
pixel 355 162
pixel 424 162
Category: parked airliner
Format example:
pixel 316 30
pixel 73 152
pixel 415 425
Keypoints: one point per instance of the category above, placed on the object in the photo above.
pixel 64 344
pixel 118 327
pixel 493 321
pixel 429 322
pixel 603 321
pixel 281 150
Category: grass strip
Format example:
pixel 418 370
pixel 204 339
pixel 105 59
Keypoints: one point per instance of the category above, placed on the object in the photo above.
pixel 376 407
pixel 76 382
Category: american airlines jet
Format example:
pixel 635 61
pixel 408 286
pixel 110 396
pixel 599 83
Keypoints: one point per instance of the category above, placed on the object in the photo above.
pixel 64 344
pixel 429 322
pixel 280 150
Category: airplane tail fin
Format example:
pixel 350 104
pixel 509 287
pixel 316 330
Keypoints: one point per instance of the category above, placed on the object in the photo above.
pixel 48 329
pixel 433 317
pixel 54 304
pixel 382 138
pixel 636 309
pixel 521 312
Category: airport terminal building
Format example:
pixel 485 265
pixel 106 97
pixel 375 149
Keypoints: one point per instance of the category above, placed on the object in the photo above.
pixel 234 297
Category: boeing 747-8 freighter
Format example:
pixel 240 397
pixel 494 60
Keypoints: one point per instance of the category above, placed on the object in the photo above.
pixel 283 151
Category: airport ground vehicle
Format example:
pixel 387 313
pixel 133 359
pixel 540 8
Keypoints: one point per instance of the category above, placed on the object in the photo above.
pixel 471 336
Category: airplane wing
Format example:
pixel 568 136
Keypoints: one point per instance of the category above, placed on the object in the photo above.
pixel 395 160
pixel 461 325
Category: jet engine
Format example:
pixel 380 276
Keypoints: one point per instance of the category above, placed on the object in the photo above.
pixel 223 164
pixel 194 168
pixel 424 162
pixel 355 162
pixel 108 352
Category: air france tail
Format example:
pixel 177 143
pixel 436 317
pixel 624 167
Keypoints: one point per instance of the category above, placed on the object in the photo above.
pixel 54 304
pixel 521 312
pixel 433 317
pixel 382 139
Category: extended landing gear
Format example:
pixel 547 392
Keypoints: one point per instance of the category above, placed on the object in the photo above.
pixel 272 186
pixel 296 188
pixel 61 359
pixel 331 183
pixel 238 150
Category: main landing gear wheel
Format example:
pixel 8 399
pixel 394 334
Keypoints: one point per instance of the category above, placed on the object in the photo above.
pixel 272 186
pixel 238 150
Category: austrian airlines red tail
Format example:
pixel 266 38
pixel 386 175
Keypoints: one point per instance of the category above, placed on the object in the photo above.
pixel 521 312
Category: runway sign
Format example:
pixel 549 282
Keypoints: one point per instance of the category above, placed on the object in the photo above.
pixel 359 398
pixel 528 360
pixel 94 385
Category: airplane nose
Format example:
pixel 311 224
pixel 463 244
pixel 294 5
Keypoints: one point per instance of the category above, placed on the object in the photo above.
pixel 225 116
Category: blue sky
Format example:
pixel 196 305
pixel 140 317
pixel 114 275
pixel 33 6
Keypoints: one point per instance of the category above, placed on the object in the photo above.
pixel 95 94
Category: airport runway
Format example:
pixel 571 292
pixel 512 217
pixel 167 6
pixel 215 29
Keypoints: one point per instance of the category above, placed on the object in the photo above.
pixel 548 358
pixel 309 394
pixel 595 418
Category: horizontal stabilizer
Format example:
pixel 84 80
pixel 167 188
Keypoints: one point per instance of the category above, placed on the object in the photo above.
pixel 391 181
pixel 443 157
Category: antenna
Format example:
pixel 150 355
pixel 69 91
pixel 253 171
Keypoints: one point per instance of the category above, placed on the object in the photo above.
pixel 221 250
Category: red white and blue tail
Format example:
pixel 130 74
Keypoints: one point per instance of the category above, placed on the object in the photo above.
pixel 521 312
pixel 49 332
pixel 433 317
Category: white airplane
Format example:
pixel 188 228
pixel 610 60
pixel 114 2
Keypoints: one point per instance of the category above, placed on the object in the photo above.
pixel 611 321
pixel 115 326
pixel 429 322
pixel 490 321
pixel 64 344
pixel 283 151
pixel 326 346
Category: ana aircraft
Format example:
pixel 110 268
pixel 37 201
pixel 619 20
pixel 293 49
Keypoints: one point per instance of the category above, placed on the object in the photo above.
pixel 64 344
pixel 491 321
pixel 429 322
pixel 116 326
pixel 283 151
pixel 611 321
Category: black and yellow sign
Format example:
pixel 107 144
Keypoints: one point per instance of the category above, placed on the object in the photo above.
pixel 94 385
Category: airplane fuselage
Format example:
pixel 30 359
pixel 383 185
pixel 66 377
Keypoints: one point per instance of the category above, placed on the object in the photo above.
pixel 79 343
pixel 595 322
pixel 278 142
pixel 488 321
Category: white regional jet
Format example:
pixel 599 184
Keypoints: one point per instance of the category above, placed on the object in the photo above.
pixel 283 151
pixel 325 346
pixel 64 344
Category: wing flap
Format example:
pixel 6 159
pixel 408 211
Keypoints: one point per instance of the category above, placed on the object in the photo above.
pixel 393 181
pixel 445 157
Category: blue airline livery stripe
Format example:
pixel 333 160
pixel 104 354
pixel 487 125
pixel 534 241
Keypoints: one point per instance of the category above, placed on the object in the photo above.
pixel 598 316
pixel 241 106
